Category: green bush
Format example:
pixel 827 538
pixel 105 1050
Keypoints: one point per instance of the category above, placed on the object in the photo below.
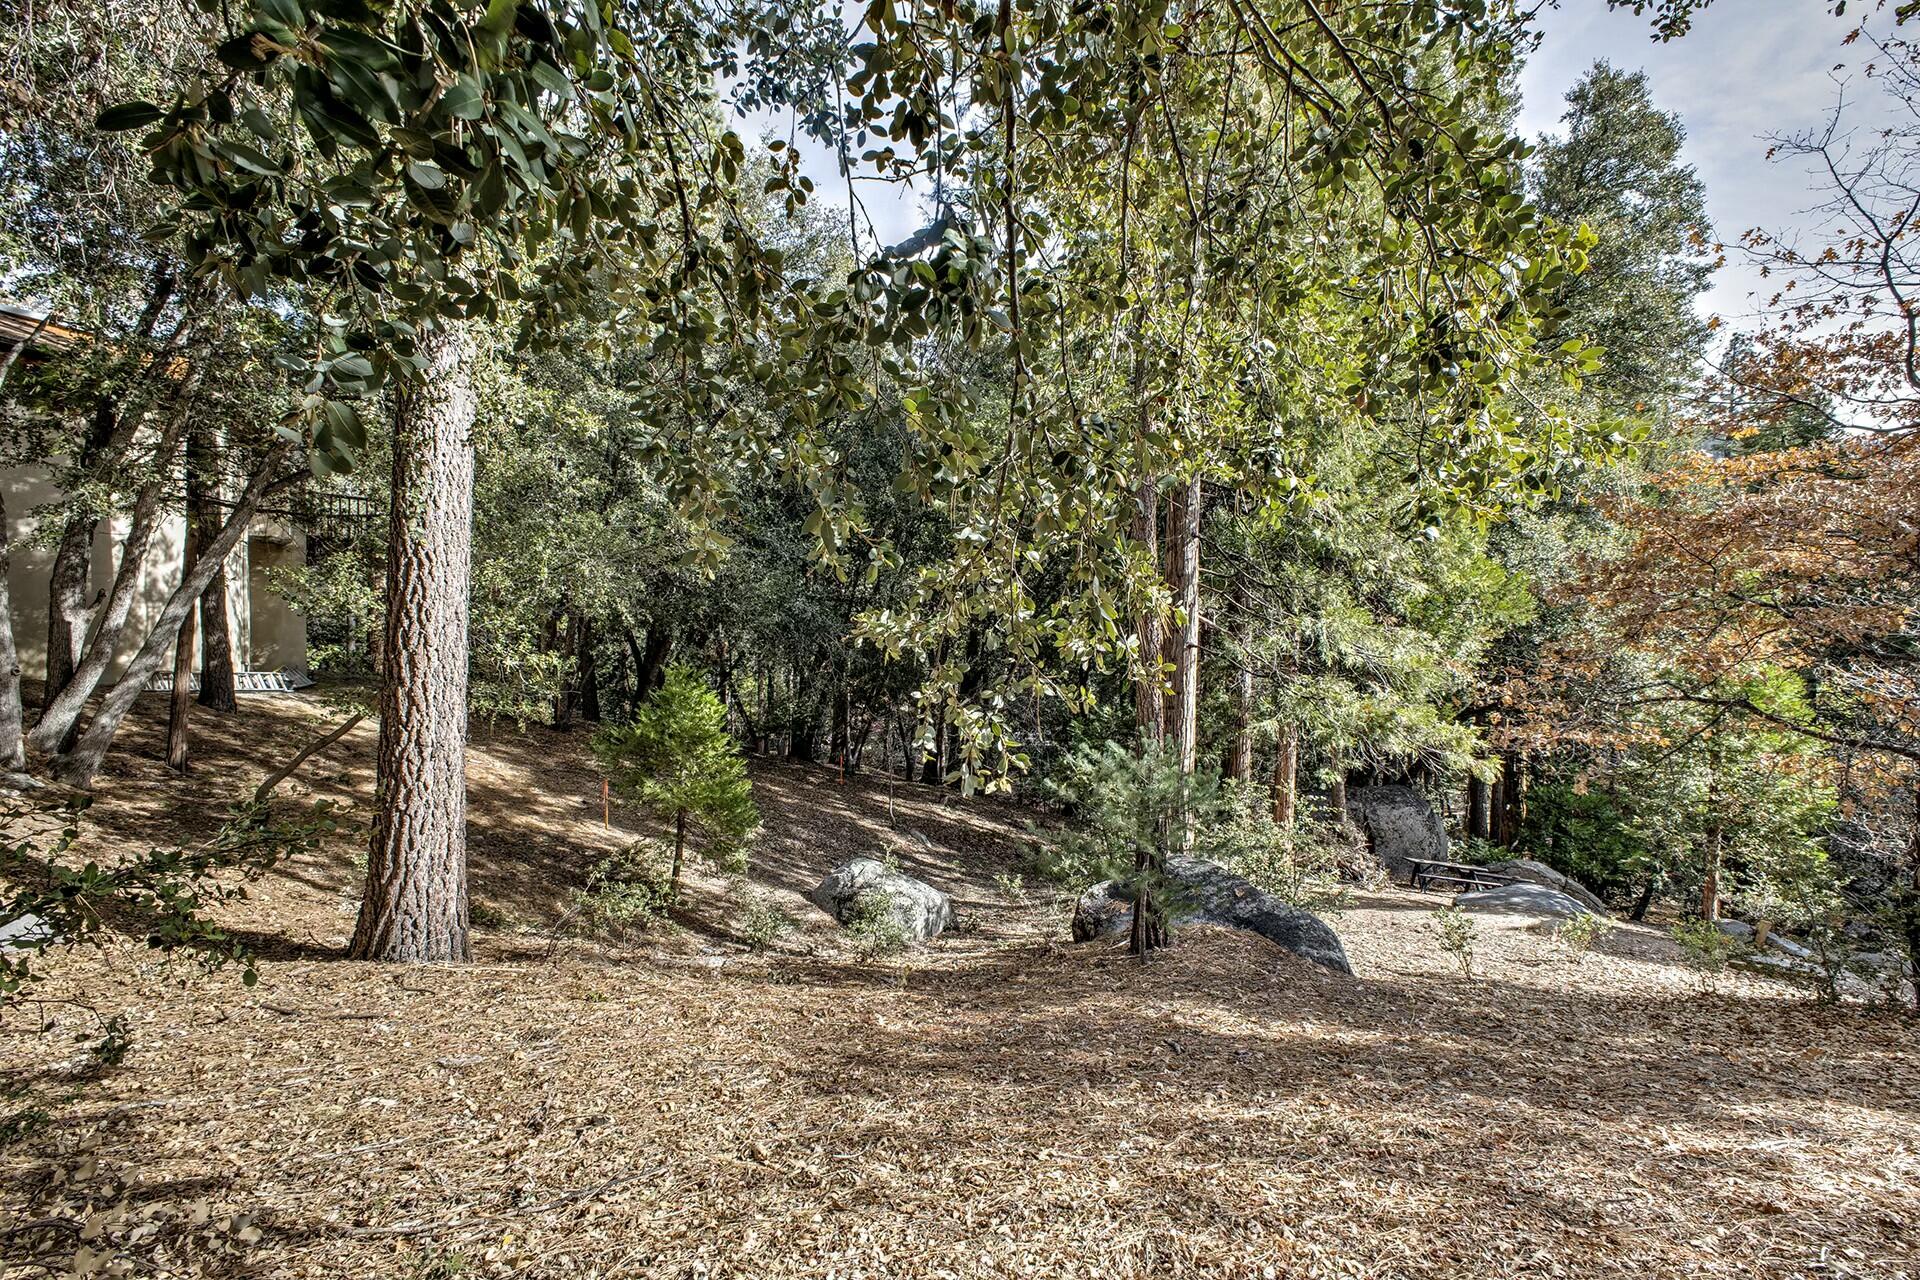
pixel 1580 933
pixel 1456 933
pixel 761 923
pixel 873 927
pixel 625 892
pixel 1707 949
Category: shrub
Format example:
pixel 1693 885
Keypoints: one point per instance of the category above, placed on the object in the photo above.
pixel 761 923
pixel 625 891
pixel 873 927
pixel 1300 867
pixel 1707 950
pixel 1456 933
pixel 1580 933
pixel 1118 801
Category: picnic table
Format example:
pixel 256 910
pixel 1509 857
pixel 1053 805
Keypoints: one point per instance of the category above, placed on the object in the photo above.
pixel 1425 873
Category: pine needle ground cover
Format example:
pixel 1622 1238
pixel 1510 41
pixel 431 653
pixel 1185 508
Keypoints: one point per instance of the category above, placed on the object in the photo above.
pixel 1001 1103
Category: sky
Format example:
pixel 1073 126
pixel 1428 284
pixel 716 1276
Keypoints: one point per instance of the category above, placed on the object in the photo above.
pixel 1748 68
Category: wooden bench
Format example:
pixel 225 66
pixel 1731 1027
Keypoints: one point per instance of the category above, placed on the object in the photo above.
pixel 1425 873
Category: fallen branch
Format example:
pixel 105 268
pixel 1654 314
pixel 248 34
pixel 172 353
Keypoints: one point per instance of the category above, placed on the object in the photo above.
pixel 285 771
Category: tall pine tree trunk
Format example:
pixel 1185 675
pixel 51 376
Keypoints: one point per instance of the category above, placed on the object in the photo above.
pixel 415 908
pixel 1286 777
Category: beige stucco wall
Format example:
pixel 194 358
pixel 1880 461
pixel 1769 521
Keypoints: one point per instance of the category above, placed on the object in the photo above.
pixel 278 636
pixel 252 616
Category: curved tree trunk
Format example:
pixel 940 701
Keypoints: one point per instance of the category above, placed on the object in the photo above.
pixel 55 731
pixel 78 766
pixel 13 750
pixel 415 908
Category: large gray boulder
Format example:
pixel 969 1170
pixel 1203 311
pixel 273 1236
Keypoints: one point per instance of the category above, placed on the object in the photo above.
pixel 1540 873
pixel 1522 898
pixel 1400 824
pixel 920 910
pixel 1208 893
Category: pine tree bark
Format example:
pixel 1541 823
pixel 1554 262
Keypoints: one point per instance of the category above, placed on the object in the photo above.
pixel 1286 777
pixel 415 907
pixel 13 748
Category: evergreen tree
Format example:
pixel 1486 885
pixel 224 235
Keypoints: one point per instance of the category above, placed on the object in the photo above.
pixel 1618 170
pixel 677 759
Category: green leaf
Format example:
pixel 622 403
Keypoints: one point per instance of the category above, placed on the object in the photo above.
pixel 430 176
pixel 463 99
pixel 128 115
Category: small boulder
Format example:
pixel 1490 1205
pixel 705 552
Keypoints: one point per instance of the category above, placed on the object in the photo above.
pixel 1523 898
pixel 1400 824
pixel 25 932
pixel 1540 873
pixel 920 910
pixel 1744 932
pixel 1208 893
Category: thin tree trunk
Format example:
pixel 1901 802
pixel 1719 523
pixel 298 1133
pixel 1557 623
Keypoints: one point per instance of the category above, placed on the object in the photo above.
pixel 216 633
pixel 109 433
pixel 67 605
pixel 415 908
pixel 78 766
pixel 1644 901
pixel 1337 790
pixel 1183 642
pixel 1150 714
pixel 180 697
pixel 1710 878
pixel 1478 798
pixel 67 579
pixel 13 749
pixel 1286 777
pixel 679 851
pixel 589 675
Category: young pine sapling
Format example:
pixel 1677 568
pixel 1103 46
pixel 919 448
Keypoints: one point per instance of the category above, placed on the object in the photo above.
pixel 677 759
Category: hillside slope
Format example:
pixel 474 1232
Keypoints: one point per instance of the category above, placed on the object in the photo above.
pixel 1000 1103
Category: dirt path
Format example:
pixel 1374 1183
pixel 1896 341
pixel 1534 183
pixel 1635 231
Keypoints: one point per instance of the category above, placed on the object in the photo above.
pixel 1000 1104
